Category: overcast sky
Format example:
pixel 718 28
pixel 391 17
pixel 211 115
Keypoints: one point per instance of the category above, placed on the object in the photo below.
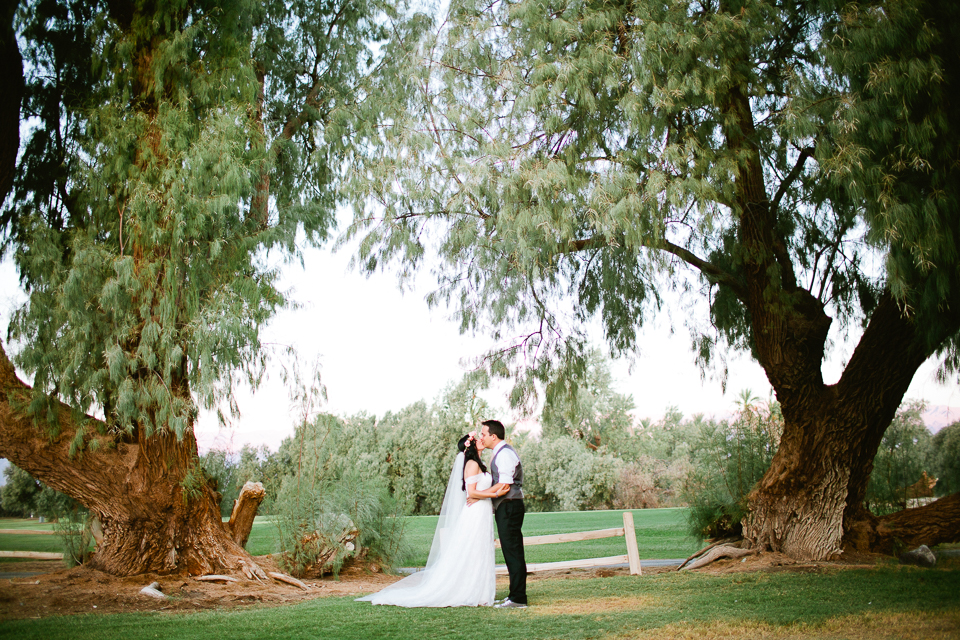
pixel 382 350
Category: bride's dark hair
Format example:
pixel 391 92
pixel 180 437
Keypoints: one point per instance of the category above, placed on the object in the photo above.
pixel 469 453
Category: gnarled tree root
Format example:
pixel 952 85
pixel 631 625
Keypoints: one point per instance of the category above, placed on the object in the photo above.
pixel 723 551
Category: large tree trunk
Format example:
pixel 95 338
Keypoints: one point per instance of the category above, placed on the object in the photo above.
pixel 156 511
pixel 812 496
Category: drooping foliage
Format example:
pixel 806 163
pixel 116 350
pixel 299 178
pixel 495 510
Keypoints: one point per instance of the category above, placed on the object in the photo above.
pixel 176 154
pixel 578 155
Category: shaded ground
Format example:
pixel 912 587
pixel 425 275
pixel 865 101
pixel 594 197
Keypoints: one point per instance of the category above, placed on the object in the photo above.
pixel 59 591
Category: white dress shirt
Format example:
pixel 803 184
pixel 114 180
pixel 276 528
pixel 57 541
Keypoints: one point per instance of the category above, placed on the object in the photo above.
pixel 506 463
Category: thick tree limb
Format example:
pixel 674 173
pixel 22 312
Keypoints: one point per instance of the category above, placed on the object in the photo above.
pixel 131 485
pixel 933 524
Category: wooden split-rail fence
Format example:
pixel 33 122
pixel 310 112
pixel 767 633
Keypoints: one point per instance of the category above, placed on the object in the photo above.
pixel 632 557
pixel 31 555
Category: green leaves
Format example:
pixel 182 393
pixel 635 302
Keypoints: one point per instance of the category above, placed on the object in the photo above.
pixel 564 161
pixel 191 140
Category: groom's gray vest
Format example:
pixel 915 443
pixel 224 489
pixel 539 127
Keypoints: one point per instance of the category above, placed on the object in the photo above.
pixel 516 489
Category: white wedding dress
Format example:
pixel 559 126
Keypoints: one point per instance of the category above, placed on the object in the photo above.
pixel 460 568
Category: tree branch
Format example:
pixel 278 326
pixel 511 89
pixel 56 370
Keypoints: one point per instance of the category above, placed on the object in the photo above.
pixel 790 179
pixel 710 271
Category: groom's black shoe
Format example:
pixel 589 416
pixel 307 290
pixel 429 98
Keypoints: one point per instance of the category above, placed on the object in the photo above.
pixel 509 604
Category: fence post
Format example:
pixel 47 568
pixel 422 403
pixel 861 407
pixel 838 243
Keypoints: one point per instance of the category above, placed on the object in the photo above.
pixel 633 553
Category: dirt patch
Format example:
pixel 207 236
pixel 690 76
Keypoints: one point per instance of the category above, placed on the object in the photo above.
pixel 59 591
pixel 777 562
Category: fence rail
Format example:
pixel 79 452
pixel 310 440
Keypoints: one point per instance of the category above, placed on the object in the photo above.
pixel 36 532
pixel 32 555
pixel 632 557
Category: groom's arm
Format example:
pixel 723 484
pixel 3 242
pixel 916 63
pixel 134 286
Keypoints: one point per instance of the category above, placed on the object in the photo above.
pixel 493 492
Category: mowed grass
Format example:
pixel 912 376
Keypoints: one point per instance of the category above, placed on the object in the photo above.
pixel 884 602
pixel 28 542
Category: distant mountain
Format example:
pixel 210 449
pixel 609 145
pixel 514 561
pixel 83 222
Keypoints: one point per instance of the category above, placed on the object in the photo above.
pixel 939 416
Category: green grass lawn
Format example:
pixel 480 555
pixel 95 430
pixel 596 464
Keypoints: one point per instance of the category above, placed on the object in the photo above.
pixel 889 601
pixel 27 542
pixel 885 602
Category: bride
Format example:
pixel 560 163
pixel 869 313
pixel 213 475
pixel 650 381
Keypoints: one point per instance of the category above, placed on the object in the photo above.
pixel 460 567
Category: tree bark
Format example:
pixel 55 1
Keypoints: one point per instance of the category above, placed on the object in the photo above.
pixel 810 501
pixel 155 512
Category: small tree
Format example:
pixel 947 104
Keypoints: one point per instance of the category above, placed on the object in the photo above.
pixel 728 458
pixel 905 453
pixel 946 445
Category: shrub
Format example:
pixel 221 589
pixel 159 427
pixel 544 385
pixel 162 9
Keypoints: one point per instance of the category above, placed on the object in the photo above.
pixel 326 496
pixel 636 489
pixel 904 454
pixel 727 461
pixel 560 474
pixel 946 459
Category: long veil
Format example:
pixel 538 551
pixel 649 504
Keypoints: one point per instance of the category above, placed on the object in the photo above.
pixel 454 500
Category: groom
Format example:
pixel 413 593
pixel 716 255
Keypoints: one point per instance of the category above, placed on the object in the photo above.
pixel 506 471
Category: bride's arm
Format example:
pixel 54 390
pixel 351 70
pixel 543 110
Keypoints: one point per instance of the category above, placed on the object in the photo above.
pixel 492 492
pixel 473 493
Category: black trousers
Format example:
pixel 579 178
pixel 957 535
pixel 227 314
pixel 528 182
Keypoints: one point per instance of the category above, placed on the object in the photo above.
pixel 509 517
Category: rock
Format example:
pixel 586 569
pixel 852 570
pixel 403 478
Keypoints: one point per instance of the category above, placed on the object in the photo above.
pixel 921 556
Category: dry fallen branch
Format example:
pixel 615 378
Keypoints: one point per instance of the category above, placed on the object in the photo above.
pixel 217 578
pixel 282 577
pixel 719 552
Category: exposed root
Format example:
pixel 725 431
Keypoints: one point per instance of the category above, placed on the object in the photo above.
pixel 253 571
pixel 153 590
pixel 708 547
pixel 217 578
pixel 282 577
pixel 719 552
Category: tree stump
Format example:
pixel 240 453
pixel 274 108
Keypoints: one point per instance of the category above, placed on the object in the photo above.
pixel 244 511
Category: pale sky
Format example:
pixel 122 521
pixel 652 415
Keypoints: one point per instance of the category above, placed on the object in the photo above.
pixel 382 350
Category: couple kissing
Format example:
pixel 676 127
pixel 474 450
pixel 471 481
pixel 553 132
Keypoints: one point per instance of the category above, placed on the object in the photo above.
pixel 460 569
